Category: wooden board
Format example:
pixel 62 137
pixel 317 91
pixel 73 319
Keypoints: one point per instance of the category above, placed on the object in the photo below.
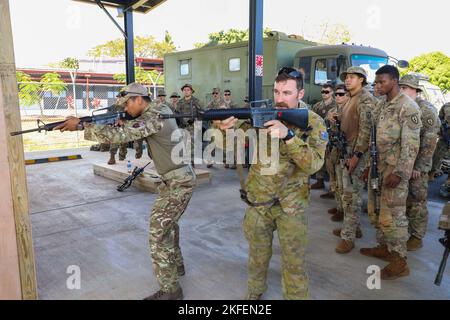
pixel 147 181
pixel 17 269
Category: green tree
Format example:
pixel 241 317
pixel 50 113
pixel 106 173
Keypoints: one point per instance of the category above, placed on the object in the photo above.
pixel 28 90
pixel 142 76
pixel 230 36
pixel 334 33
pixel 51 82
pixel 143 47
pixel 436 65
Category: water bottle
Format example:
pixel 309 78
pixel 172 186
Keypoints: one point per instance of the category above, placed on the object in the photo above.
pixel 129 166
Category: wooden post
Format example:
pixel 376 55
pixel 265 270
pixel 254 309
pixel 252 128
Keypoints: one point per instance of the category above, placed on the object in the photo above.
pixel 17 270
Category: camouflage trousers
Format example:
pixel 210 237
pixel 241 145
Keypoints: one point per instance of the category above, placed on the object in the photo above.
pixel 122 152
pixel 416 206
pixel 439 154
pixel 352 191
pixel 174 196
pixel 330 164
pixel 392 224
pixel 259 226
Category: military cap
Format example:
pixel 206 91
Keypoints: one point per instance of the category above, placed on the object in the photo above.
pixel 188 86
pixel 174 95
pixel 215 90
pixel 161 93
pixel 132 90
pixel 355 70
pixel 411 81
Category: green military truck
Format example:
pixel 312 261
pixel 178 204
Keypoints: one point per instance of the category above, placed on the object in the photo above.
pixel 226 66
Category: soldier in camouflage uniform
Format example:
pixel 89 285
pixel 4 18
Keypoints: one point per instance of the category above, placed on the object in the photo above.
pixel 356 119
pixel 114 147
pixel 397 123
pixel 161 98
pixel 416 204
pixel 184 106
pixel 229 104
pixel 174 98
pixel 442 146
pixel 321 108
pixel 278 201
pixel 332 162
pixel 176 187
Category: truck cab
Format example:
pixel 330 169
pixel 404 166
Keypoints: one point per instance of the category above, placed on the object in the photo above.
pixel 323 64
pixel 430 92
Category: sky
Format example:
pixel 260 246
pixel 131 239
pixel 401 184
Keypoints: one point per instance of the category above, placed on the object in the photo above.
pixel 46 31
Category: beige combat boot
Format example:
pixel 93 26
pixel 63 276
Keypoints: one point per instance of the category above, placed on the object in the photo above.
pixel 396 269
pixel 332 211
pixel 414 243
pixel 338 216
pixel 380 252
pixel 318 185
pixel 112 159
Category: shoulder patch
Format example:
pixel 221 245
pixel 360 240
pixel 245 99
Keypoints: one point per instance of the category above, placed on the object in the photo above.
pixel 139 124
pixel 430 122
pixel 413 121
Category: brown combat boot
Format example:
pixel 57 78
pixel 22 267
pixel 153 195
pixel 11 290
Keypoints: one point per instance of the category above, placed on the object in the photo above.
pixel 332 211
pixel 339 216
pixel 380 252
pixel 414 243
pixel 337 232
pixel 344 246
pixel 318 185
pixel 112 159
pixel 328 195
pixel 163 295
pixel 396 269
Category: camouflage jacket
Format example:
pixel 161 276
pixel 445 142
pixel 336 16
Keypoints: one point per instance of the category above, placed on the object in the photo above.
pixel 428 135
pixel 148 126
pixel 297 161
pixel 444 115
pixel 213 104
pixel 322 109
pixel 230 104
pixel 398 135
pixel 185 107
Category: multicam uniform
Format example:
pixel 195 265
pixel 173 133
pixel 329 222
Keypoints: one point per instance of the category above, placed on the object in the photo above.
pixel 175 190
pixel 416 204
pixel 123 146
pixel 398 126
pixel 278 202
pixel 356 120
pixel 442 148
pixel 322 110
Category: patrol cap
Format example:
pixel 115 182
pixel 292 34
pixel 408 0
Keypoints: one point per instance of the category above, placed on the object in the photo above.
pixel 132 90
pixel 161 93
pixel 174 95
pixel 411 81
pixel 215 90
pixel 355 70
pixel 188 86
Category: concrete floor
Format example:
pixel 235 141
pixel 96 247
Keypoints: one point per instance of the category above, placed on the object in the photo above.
pixel 80 219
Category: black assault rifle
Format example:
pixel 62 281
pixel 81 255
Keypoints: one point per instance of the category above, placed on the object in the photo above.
pixel 100 116
pixel 257 114
pixel 129 180
pixel 374 176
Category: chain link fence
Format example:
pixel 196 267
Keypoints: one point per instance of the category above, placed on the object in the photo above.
pixel 51 102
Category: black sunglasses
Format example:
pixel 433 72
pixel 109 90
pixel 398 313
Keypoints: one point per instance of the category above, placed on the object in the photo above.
pixel 290 72
pixel 325 92
pixel 340 94
pixel 122 94
pixel 215 93
pixel 227 94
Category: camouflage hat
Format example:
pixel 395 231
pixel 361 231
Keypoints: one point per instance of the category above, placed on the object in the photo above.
pixel 132 90
pixel 410 81
pixel 188 86
pixel 161 93
pixel 215 90
pixel 174 95
pixel 355 70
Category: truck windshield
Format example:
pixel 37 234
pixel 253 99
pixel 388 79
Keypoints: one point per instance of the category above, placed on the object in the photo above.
pixel 369 63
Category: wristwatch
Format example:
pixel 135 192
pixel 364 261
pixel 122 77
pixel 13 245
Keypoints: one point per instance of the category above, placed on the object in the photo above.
pixel 359 154
pixel 290 135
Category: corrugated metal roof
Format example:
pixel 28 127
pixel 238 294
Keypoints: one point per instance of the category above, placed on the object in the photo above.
pixel 141 6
